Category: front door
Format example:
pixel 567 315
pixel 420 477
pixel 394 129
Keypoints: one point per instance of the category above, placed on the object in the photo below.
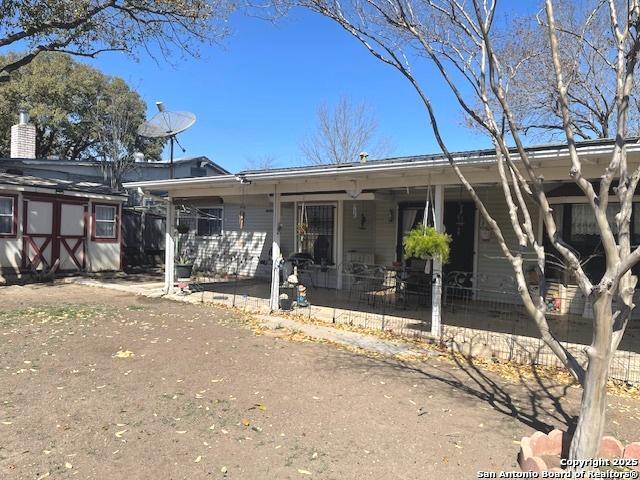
pixel 459 222
pixel 54 233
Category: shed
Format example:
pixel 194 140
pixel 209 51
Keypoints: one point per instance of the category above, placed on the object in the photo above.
pixel 61 225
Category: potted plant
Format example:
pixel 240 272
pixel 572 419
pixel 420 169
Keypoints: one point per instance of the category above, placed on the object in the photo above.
pixel 426 243
pixel 184 259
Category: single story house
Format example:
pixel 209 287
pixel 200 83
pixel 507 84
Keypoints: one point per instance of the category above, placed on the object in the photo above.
pixel 343 226
pixel 358 213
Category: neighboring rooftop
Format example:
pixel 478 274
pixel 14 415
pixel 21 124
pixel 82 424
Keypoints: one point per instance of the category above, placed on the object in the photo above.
pixel 97 163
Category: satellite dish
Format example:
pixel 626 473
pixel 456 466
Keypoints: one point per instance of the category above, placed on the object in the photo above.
pixel 165 124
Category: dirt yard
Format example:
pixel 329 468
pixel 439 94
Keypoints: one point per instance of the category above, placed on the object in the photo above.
pixel 97 384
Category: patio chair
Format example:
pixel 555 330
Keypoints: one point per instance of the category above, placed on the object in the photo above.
pixel 367 281
pixel 413 285
pixel 356 272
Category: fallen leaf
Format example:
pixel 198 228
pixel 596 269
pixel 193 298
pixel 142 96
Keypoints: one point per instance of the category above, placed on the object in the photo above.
pixel 124 354
pixel 246 422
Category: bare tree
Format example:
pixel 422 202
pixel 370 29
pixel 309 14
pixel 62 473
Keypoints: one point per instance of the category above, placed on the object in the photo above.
pixel 464 42
pixel 261 162
pixel 113 126
pixel 89 27
pixel 587 53
pixel 342 133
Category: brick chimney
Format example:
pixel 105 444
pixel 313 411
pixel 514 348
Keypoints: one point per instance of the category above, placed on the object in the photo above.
pixel 23 138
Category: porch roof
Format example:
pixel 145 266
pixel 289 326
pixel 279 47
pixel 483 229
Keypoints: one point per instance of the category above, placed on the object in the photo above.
pixel 551 160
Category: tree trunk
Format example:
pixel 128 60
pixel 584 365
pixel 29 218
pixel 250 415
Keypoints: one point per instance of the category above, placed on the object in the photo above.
pixel 591 422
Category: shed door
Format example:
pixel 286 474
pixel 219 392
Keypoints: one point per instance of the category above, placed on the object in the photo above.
pixel 38 234
pixel 72 236
pixel 54 230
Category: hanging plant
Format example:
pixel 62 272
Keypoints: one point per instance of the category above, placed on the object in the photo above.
pixel 426 242
pixel 302 229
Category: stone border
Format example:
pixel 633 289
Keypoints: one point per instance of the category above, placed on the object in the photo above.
pixel 534 447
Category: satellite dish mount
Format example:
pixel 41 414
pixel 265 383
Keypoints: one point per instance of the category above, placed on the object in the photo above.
pixel 167 125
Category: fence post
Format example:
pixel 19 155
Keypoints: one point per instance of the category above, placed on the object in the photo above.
pixel 436 293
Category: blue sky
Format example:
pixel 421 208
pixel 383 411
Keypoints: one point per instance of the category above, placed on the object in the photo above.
pixel 257 94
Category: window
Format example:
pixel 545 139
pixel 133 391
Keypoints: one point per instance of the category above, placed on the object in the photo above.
pixel 7 216
pixel 206 221
pixel 318 239
pixel 198 172
pixel 583 221
pixel 577 225
pixel 105 221
pixel 209 221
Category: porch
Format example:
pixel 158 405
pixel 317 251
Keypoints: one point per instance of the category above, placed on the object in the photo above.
pixel 245 233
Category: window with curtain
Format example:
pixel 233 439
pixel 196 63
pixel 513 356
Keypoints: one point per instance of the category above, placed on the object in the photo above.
pixel 105 220
pixel 583 221
pixel 6 216
pixel 319 239
pixel 577 225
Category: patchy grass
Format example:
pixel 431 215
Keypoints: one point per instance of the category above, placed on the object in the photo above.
pixel 135 308
pixel 55 314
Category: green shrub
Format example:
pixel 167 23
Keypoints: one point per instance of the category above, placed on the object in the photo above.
pixel 426 242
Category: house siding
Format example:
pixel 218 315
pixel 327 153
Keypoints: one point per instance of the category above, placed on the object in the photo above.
pixel 493 268
pixel 386 230
pixel 246 252
pixel 359 239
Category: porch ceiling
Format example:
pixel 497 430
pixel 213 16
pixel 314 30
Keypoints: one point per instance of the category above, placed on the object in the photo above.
pixel 481 168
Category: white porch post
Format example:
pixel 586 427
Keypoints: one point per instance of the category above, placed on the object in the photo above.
pixel 169 247
pixel 275 252
pixel 436 294
pixel 339 243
